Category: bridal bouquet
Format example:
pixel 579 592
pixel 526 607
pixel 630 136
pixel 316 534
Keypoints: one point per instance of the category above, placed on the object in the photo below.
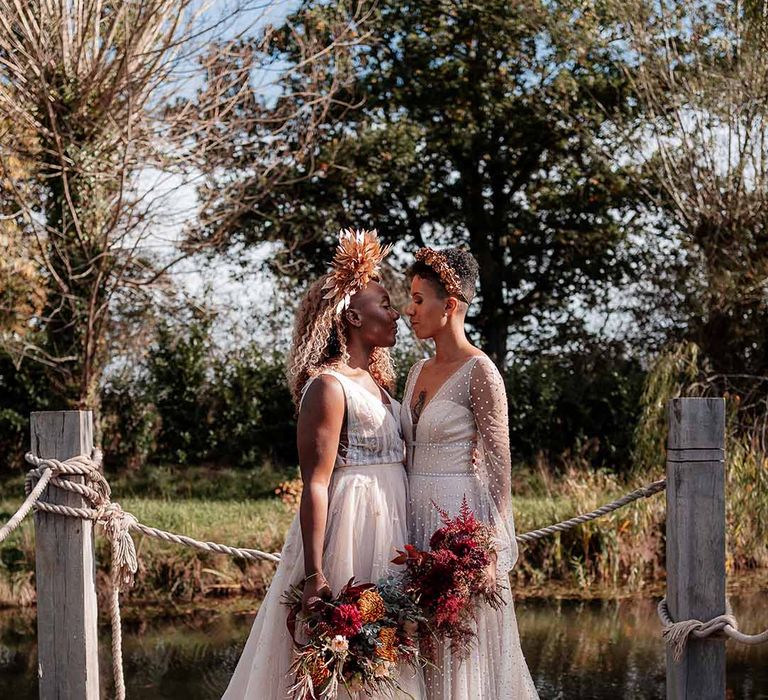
pixel 355 640
pixel 450 579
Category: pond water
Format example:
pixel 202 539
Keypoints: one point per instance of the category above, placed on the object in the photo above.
pixel 576 649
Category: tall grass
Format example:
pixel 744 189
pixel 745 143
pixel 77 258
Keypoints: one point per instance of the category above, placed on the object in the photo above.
pixel 168 572
pixel 624 550
pixel 620 553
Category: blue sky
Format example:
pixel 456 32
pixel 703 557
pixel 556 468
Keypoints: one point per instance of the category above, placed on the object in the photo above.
pixel 240 290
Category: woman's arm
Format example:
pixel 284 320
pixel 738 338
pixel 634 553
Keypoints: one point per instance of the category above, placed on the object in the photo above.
pixel 488 398
pixel 319 427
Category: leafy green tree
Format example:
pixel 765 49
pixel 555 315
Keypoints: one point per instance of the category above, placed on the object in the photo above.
pixel 23 389
pixel 254 413
pixel 179 377
pixel 477 125
pixel 584 399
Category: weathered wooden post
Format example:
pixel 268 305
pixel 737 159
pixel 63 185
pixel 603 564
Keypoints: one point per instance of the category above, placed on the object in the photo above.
pixel 696 542
pixel 67 643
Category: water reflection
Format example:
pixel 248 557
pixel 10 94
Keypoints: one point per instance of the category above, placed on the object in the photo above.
pixel 581 650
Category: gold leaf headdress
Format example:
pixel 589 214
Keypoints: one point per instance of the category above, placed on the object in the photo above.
pixel 438 262
pixel 356 262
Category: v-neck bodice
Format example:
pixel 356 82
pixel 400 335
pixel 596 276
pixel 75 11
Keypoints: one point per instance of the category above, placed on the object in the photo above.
pixel 373 427
pixel 414 380
pixel 445 437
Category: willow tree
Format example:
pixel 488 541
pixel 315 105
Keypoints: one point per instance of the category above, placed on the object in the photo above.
pixel 699 72
pixel 22 288
pixel 85 88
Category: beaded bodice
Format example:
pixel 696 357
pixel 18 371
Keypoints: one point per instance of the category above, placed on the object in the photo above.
pixel 445 437
pixel 463 433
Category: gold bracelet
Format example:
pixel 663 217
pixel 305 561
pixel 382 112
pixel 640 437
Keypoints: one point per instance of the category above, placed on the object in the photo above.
pixel 317 573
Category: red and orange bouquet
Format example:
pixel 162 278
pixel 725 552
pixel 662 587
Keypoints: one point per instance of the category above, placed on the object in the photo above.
pixel 451 579
pixel 355 640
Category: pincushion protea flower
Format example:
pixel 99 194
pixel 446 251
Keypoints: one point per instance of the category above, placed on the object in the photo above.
pixel 371 606
pixel 386 650
pixel 356 262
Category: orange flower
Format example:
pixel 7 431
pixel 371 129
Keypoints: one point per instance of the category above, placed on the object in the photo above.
pixel 356 263
pixel 371 606
pixel 386 650
pixel 318 671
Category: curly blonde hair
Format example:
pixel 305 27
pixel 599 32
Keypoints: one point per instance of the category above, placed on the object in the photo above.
pixel 320 341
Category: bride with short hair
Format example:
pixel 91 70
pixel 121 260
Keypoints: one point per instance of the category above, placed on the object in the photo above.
pixel 457 435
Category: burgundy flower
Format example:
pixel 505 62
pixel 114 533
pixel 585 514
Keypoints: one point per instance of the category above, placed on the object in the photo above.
pixel 449 609
pixel 346 620
pixel 464 545
pixel 438 537
pixel 450 578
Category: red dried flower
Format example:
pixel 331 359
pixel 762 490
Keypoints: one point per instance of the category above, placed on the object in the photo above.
pixel 464 545
pixel 346 620
pixel 437 539
pixel 449 610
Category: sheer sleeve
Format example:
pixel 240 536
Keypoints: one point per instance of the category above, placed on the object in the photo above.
pixel 488 400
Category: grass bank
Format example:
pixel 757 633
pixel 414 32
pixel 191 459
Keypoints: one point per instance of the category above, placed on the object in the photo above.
pixel 620 554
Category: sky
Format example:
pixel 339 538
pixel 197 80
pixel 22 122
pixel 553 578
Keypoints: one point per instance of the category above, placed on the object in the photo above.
pixel 237 287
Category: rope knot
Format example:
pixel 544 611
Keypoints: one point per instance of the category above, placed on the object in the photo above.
pixel 95 489
pixel 676 634
pixel 117 525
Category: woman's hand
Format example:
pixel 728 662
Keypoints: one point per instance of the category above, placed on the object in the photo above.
pixel 315 587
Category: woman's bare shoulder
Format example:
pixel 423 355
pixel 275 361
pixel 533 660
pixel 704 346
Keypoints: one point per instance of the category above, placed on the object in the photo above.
pixel 323 392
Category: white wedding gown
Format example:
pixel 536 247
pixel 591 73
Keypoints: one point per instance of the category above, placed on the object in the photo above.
pixel 367 502
pixel 460 447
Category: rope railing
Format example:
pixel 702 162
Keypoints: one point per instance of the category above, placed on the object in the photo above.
pixel 643 492
pixel 104 510
pixel 118 524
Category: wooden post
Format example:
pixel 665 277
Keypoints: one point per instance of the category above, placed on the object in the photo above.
pixel 67 646
pixel 696 542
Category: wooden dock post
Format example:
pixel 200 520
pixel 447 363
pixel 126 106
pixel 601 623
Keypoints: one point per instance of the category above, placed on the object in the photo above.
pixel 696 542
pixel 67 645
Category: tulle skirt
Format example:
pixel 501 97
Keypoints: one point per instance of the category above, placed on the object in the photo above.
pixel 495 668
pixel 366 523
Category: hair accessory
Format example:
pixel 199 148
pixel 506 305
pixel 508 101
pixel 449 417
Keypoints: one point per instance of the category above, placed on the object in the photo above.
pixel 356 262
pixel 438 262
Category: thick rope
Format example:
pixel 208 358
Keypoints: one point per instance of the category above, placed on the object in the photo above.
pixel 30 501
pixel 214 547
pixel 676 633
pixel 117 525
pixel 643 492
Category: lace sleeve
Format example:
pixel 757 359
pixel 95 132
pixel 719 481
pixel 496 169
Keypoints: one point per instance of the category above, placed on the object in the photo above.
pixel 488 399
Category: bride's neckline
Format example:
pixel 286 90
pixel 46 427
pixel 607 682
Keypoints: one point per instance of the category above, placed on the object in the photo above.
pixel 387 405
pixel 434 396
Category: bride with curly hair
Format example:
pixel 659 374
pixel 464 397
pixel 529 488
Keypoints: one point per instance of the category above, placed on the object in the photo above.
pixel 352 515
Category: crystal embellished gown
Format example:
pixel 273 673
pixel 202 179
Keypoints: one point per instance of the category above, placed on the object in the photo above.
pixel 460 447
pixel 367 504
